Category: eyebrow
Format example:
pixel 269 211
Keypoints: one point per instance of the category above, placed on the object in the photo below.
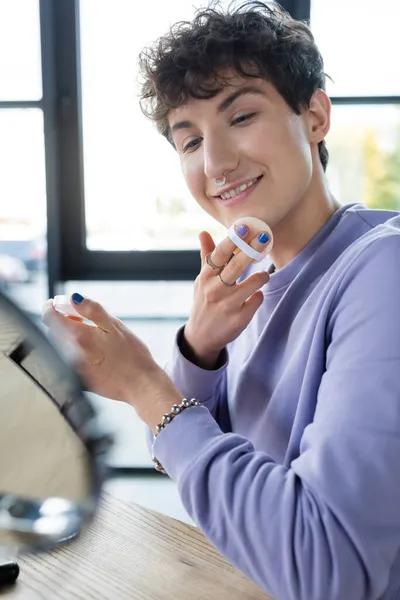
pixel 223 106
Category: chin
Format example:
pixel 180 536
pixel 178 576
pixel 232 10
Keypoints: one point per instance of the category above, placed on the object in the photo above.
pixel 240 212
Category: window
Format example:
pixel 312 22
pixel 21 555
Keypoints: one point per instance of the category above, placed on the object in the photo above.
pixel 135 196
pixel 358 42
pixel 20 64
pixel 364 149
pixel 23 219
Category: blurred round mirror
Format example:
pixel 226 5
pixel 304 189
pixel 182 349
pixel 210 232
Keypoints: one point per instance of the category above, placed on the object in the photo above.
pixel 52 453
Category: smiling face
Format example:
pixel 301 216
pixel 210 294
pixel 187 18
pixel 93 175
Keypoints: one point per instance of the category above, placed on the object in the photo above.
pixel 249 134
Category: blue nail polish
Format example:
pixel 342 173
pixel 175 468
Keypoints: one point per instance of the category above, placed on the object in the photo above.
pixel 77 298
pixel 241 230
pixel 263 238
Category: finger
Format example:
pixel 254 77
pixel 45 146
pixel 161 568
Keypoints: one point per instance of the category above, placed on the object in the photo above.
pixel 94 311
pixel 47 307
pixel 59 322
pixel 240 261
pixel 251 284
pixel 50 316
pixel 92 346
pixel 207 245
pixel 53 318
pixel 62 332
pixel 75 318
pixel 252 305
pixel 225 249
pixel 81 338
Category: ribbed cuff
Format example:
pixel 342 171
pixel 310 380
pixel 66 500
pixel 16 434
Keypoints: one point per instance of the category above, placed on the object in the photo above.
pixel 179 444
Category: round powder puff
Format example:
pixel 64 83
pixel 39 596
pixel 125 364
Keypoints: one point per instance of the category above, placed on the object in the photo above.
pixel 255 226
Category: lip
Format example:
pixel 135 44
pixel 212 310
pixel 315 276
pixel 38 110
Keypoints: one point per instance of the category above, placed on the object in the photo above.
pixel 239 197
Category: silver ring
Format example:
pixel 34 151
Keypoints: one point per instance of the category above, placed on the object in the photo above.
pixel 211 264
pixel 225 283
pixel 220 183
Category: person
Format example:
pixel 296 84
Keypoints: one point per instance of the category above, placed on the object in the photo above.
pixel 290 464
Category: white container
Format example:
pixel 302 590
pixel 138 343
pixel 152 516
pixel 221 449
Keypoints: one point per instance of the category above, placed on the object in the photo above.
pixel 63 305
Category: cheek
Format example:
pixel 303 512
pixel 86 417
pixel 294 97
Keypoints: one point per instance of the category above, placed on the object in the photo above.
pixel 193 174
pixel 286 151
pixel 188 175
pixel 297 134
pixel 194 177
pixel 264 143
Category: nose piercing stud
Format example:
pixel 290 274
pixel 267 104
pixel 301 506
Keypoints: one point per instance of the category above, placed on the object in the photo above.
pixel 220 183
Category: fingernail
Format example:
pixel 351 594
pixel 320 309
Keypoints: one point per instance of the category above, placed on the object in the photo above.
pixel 241 230
pixel 263 238
pixel 77 298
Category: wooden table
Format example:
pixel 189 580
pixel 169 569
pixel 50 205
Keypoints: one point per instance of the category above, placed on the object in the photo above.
pixel 130 552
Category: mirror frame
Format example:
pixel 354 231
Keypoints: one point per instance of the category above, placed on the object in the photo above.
pixel 80 414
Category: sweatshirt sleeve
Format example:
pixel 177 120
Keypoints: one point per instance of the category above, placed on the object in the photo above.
pixel 208 386
pixel 327 527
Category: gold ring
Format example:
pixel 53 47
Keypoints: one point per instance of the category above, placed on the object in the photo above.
pixel 97 361
pixel 211 264
pixel 225 283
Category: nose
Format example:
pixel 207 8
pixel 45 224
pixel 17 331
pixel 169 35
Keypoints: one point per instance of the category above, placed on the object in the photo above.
pixel 220 156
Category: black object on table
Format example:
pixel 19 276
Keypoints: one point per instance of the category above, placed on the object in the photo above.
pixel 9 572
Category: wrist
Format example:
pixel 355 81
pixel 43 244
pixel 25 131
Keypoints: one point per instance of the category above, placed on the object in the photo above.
pixel 156 400
pixel 153 416
pixel 200 356
pixel 176 409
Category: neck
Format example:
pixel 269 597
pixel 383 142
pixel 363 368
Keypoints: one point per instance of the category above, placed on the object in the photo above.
pixel 303 222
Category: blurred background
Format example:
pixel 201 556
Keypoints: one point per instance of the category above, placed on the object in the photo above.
pixel 91 196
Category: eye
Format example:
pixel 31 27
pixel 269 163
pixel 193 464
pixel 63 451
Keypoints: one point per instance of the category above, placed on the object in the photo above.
pixel 243 118
pixel 192 144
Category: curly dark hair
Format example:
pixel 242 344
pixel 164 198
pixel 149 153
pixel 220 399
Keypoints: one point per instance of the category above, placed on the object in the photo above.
pixel 255 39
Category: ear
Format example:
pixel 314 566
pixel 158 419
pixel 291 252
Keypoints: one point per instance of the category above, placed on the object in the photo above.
pixel 319 116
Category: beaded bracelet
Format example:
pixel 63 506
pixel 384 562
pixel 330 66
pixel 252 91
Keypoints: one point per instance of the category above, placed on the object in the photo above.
pixel 167 418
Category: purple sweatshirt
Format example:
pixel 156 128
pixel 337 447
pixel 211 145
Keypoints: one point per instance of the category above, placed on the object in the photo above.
pixel 292 467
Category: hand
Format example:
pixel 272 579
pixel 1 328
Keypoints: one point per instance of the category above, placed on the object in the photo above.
pixel 219 312
pixel 114 362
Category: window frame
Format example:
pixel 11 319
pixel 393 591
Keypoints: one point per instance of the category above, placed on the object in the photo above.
pixel 69 258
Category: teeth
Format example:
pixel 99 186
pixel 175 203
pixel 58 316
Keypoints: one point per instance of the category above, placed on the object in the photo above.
pixel 237 190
